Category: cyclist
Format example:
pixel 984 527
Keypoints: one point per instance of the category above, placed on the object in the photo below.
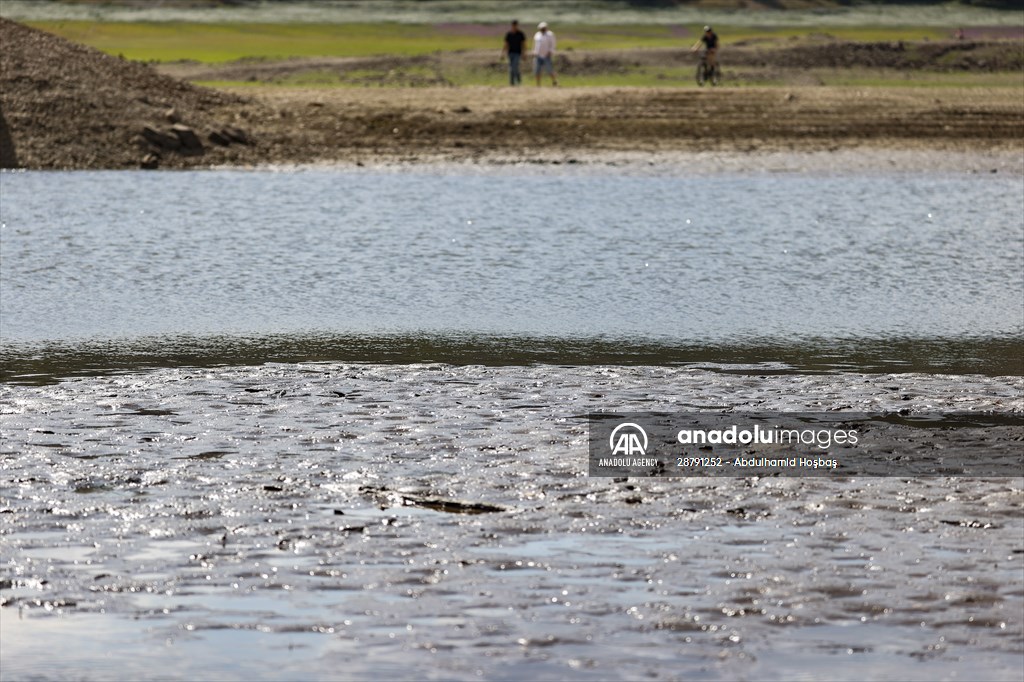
pixel 710 41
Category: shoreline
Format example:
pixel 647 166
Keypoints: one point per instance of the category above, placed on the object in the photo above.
pixel 858 159
pixel 847 160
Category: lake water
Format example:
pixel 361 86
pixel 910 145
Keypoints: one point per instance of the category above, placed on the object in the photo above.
pixel 314 424
pixel 275 522
pixel 921 271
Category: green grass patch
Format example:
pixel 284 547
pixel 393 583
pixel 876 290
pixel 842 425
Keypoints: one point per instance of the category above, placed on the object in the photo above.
pixel 174 41
pixel 205 42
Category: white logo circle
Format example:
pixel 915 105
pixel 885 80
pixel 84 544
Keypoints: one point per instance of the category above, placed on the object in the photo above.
pixel 629 443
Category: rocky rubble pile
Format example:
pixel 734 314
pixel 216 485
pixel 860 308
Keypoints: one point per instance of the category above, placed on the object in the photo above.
pixel 64 105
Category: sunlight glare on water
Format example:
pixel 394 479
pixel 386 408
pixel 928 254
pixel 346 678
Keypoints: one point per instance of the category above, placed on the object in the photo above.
pixel 124 255
pixel 277 425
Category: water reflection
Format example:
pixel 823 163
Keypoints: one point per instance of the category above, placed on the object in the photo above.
pixel 181 514
pixel 648 259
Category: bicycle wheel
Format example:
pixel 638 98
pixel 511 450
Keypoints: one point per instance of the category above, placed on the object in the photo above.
pixel 716 75
pixel 701 75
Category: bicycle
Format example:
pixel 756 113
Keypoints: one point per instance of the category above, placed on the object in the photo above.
pixel 707 73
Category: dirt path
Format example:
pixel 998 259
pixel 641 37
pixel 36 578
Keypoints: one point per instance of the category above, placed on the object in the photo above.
pixel 554 123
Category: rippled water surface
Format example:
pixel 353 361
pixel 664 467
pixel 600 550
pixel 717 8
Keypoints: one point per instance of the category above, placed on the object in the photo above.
pixel 428 521
pixel 321 424
pixel 732 260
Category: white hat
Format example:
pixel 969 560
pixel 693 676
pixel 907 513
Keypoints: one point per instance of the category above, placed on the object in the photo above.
pixel 542 24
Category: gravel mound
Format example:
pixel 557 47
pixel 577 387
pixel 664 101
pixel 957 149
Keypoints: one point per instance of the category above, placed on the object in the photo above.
pixel 64 105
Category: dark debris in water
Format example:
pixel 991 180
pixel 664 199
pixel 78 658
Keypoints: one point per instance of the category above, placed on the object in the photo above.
pixel 449 506
pixel 968 524
pixel 452 506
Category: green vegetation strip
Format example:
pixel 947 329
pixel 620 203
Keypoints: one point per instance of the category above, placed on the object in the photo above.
pixel 204 42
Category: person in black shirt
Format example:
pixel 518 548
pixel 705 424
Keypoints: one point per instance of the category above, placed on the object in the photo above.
pixel 514 41
pixel 710 42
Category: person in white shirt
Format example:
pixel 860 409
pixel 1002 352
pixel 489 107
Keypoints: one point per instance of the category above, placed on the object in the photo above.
pixel 544 52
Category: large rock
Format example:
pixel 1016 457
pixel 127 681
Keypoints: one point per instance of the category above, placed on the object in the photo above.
pixel 217 137
pixel 8 156
pixel 161 139
pixel 236 134
pixel 190 142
